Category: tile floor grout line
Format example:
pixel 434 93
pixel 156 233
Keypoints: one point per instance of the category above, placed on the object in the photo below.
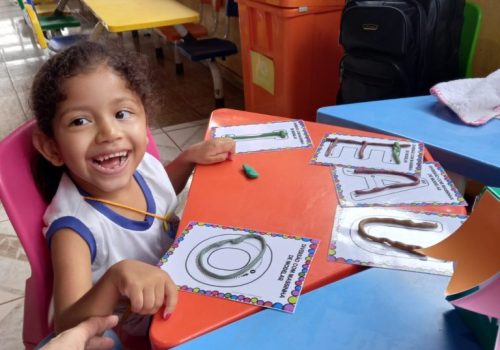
pixel 175 143
pixel 12 300
pixel 183 126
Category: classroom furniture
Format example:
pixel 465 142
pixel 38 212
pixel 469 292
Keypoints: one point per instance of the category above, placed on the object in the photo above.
pixel 209 50
pixel 170 35
pixel 373 309
pixel 25 208
pixel 290 55
pixel 200 49
pixel 291 196
pixel 468 40
pixel 471 151
pixel 118 16
pixel 55 43
pixel 48 22
pixel 197 30
pixel 45 8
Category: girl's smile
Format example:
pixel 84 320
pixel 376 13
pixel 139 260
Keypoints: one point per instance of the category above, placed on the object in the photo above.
pixel 111 163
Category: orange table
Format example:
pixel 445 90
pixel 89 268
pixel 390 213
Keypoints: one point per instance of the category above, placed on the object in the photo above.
pixel 291 196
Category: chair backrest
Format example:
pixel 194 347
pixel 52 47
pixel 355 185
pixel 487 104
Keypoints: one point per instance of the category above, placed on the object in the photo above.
pixel 35 26
pixel 25 208
pixel 468 40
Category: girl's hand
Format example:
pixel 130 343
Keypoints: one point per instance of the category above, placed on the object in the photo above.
pixel 206 152
pixel 211 151
pixel 147 287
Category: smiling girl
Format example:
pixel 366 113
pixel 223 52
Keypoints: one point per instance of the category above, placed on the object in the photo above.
pixel 109 199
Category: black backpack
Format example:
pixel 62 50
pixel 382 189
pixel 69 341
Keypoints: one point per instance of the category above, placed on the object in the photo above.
pixel 398 48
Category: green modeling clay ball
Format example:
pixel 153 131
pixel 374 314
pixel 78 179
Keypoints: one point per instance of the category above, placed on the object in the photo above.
pixel 250 172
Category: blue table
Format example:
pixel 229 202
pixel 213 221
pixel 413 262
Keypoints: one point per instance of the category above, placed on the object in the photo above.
pixel 471 151
pixel 374 309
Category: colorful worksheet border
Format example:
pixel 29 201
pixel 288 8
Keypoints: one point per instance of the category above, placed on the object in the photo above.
pixel 460 199
pixel 301 124
pixel 418 166
pixel 333 247
pixel 292 300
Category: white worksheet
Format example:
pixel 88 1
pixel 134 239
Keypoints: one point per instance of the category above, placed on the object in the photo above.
pixel 348 246
pixel 266 136
pixel 355 188
pixel 369 152
pixel 203 256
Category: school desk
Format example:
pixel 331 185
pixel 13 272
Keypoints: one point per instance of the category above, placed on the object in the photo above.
pixel 471 151
pixel 118 16
pixel 374 309
pixel 291 196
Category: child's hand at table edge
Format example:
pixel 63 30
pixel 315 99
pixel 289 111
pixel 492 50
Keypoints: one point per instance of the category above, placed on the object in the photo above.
pixel 211 151
pixel 147 287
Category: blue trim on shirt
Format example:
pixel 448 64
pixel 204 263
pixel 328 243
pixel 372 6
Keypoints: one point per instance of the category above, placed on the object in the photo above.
pixel 136 225
pixel 76 225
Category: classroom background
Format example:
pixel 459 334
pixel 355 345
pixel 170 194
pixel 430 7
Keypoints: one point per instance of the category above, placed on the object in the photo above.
pixel 187 101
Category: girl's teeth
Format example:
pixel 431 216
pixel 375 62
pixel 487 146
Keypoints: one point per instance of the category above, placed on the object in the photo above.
pixel 106 157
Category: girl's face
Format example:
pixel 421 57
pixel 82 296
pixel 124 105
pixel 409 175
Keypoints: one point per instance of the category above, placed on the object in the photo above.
pixel 100 132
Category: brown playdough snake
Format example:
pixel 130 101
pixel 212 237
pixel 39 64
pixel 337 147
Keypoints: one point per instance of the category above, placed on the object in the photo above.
pixel 415 180
pixel 334 141
pixel 410 248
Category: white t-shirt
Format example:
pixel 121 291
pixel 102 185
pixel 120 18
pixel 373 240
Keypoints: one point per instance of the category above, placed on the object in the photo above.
pixel 112 237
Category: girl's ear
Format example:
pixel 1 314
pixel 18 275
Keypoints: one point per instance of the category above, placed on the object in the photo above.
pixel 47 147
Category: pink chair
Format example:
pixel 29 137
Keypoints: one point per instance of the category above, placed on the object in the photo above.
pixel 25 207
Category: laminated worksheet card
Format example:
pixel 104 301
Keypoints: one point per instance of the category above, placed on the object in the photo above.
pixel 266 136
pixel 370 152
pixel 348 245
pixel 358 188
pixel 259 268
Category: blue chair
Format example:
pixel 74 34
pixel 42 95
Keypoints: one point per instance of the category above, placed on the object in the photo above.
pixel 209 50
pixel 198 48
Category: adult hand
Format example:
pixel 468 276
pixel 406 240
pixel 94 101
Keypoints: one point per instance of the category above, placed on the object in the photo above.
pixel 86 335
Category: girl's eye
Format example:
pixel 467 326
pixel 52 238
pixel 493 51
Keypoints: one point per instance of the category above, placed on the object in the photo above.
pixel 122 115
pixel 79 121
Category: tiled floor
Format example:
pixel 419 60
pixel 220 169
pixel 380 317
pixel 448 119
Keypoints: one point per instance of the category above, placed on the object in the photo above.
pixel 186 103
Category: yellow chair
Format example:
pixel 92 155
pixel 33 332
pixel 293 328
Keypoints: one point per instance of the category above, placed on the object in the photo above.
pixel 50 22
pixel 56 43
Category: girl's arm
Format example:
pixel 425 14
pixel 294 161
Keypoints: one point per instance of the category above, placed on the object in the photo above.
pixel 73 279
pixel 75 299
pixel 206 152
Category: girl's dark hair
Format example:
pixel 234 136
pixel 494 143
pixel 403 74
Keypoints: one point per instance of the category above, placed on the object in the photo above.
pixel 47 93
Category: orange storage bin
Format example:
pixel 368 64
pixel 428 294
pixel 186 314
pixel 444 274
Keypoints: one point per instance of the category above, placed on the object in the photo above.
pixel 290 55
